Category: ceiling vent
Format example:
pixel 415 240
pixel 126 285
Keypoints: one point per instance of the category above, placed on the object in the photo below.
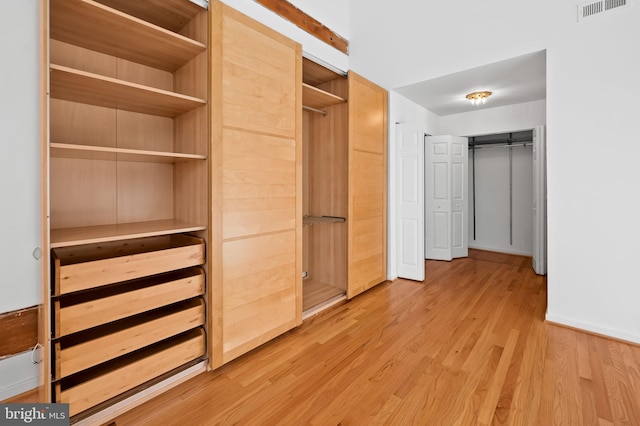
pixel 594 8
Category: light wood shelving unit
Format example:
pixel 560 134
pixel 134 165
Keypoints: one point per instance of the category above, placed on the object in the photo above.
pixel 325 186
pixel 129 196
pixel 197 165
pixel 106 111
pixel 344 185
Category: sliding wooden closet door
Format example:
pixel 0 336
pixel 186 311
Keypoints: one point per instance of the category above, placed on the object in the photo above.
pixel 367 218
pixel 257 180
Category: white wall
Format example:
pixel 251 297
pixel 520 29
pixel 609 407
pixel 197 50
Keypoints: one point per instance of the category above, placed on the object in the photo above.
pixel 592 141
pixel 19 177
pixel 487 121
pixel 593 148
pixel 411 41
pixel 401 110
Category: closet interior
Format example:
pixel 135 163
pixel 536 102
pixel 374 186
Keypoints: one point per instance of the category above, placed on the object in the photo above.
pixel 325 186
pixel 501 192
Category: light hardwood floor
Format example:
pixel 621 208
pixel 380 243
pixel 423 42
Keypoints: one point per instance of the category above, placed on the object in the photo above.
pixel 468 346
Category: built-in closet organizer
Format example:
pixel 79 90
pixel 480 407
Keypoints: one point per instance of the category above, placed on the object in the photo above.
pixel 128 194
pixel 256 177
pixel 501 190
pixel 345 151
pixel 325 202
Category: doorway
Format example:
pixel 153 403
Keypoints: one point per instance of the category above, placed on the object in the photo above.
pixel 507 202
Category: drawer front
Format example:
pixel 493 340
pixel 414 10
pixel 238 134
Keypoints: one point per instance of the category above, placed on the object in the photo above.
pixel 119 376
pixel 90 274
pixel 127 336
pixel 92 313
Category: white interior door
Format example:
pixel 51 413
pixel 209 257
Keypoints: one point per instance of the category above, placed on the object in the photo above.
pixel 539 201
pixel 410 190
pixel 438 198
pixel 446 197
pixel 459 196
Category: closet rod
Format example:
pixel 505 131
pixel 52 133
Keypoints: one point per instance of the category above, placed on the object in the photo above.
pixel 320 111
pixel 513 145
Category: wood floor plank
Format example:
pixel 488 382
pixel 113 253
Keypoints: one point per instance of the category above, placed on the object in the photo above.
pixel 588 403
pixel 474 391
pixel 527 391
pixel 490 403
pixel 603 406
pixel 469 345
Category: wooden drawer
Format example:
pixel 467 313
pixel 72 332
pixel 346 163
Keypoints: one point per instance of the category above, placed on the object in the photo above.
pixel 85 310
pixel 93 265
pixel 99 345
pixel 88 389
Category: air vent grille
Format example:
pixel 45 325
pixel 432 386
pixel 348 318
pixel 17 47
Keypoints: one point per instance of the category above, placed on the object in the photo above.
pixel 610 4
pixel 592 9
pixel 588 10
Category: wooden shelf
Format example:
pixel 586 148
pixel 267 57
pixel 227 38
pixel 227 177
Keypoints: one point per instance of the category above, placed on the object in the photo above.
pixel 315 293
pixel 317 220
pixel 316 74
pixel 97 234
pixel 121 35
pixel 79 86
pixel 317 98
pixel 87 152
pixel 170 14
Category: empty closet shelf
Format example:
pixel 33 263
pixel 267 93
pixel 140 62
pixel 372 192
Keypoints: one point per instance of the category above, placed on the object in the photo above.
pixel 317 220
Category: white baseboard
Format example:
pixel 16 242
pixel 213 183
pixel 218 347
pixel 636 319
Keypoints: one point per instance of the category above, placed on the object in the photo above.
pixel 18 374
pixel 14 389
pixel 594 328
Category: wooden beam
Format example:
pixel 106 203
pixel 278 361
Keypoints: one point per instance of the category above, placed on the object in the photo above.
pixel 19 331
pixel 307 23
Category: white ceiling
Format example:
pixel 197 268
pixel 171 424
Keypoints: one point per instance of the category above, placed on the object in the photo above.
pixel 512 81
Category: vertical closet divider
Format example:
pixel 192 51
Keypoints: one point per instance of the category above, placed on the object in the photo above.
pixel 510 194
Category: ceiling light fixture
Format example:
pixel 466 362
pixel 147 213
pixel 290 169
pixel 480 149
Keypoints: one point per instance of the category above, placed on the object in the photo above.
pixel 478 97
